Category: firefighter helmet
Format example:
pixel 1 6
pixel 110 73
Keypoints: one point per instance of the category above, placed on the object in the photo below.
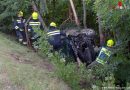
pixel 110 43
pixel 34 15
pixel 53 24
pixel 20 14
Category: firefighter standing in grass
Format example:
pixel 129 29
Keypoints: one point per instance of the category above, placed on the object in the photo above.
pixel 34 28
pixel 19 25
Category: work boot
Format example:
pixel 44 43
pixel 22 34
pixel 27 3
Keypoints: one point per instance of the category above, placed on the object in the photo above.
pixel 20 39
pixel 24 43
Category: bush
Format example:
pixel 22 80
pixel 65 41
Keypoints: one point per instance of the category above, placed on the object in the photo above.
pixel 70 73
pixel 80 77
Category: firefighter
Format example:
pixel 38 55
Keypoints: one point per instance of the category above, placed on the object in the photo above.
pixel 34 29
pixel 19 25
pixel 105 52
pixel 54 36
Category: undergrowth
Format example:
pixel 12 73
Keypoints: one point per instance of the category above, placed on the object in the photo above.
pixel 81 78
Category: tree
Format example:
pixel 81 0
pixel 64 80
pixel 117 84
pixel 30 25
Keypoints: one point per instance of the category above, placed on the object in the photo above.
pixel 9 9
pixel 100 30
pixel 117 21
pixel 74 12
pixel 84 13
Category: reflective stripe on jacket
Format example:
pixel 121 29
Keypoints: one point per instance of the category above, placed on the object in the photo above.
pixel 19 24
pixel 103 55
pixel 34 23
pixel 34 26
pixel 52 33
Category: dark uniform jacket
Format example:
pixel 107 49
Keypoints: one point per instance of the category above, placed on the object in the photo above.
pixel 54 37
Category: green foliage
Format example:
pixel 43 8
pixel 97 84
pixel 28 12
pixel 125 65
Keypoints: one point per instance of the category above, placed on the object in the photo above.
pixel 57 11
pixel 44 45
pixel 114 20
pixel 52 10
pixel 78 78
pixel 8 10
pixel 117 21
pixel 70 73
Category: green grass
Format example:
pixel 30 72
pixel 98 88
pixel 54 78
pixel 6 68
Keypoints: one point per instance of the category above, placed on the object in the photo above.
pixel 22 69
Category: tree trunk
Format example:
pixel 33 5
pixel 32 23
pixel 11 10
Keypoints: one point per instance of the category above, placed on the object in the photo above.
pixel 102 40
pixel 70 13
pixel 54 9
pixel 43 7
pixel 84 13
pixel 74 12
